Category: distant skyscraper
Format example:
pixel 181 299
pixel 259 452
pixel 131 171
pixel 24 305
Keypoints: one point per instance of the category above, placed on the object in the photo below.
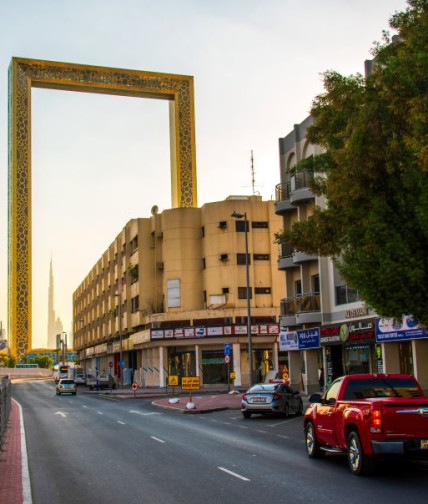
pixel 54 323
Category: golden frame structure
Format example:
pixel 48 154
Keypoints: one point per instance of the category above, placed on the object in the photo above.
pixel 27 73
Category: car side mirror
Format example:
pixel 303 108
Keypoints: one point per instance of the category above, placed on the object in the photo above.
pixel 315 398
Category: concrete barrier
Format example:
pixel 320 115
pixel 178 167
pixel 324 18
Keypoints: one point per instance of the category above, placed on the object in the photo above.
pixel 14 373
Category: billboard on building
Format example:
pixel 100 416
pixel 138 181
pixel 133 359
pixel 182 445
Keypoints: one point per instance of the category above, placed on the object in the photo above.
pixel 390 329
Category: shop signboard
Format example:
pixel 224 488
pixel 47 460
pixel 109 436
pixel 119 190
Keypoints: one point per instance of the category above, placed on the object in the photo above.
pixel 227 330
pixel 309 338
pixel 141 337
pixel 189 332
pixel 201 331
pixel 215 331
pixel 179 333
pixel 288 341
pixel 240 329
pixel 394 329
pixel 157 334
pixel 168 333
pixel 274 329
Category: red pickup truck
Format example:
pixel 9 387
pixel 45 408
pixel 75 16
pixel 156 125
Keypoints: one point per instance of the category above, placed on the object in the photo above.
pixel 368 416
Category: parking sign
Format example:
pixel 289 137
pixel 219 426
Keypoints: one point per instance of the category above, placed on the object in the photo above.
pixel 226 349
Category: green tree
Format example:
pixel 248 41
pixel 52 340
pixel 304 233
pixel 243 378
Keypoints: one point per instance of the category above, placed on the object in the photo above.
pixel 373 173
pixel 44 361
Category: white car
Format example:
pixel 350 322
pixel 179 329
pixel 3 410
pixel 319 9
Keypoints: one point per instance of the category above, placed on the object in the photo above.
pixel 80 379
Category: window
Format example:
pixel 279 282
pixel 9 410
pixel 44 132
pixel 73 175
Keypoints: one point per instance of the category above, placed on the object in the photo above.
pixel 173 293
pixel 315 280
pixel 242 293
pixel 225 290
pixel 259 224
pixel 224 257
pixel 135 304
pixel 298 288
pixel 133 274
pixel 241 225
pixel 262 290
pixel 204 297
pixel 345 295
pixel 332 391
pixel 133 244
pixel 222 225
pixel 203 231
pixel 240 259
pixel 204 265
pixel 261 257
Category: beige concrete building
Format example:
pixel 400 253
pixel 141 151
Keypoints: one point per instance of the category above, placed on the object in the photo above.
pixel 170 292
pixel 324 322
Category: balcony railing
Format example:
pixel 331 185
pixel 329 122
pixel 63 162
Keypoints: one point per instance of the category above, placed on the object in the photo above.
pixel 300 180
pixel 301 304
pixel 285 250
pixel 282 192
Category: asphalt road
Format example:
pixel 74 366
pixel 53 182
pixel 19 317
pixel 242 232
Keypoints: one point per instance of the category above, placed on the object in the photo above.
pixel 86 449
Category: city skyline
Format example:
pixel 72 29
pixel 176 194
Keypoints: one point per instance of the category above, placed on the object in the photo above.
pixel 98 158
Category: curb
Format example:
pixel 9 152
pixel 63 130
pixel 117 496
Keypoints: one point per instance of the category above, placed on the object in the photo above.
pixel 190 412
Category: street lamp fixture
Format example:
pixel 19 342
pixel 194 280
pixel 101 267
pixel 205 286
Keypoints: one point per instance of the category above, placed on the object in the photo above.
pixel 237 215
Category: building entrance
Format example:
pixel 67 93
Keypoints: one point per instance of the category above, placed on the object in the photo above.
pixel 214 368
pixel 406 357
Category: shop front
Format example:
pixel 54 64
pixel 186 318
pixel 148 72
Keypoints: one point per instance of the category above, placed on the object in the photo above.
pixel 350 348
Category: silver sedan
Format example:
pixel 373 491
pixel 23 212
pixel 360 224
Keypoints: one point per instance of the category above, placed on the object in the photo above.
pixel 268 398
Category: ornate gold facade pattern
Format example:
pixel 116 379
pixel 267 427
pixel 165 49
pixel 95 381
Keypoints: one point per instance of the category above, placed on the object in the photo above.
pixel 24 74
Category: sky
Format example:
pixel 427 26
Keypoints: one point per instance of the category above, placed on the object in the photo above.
pixel 98 160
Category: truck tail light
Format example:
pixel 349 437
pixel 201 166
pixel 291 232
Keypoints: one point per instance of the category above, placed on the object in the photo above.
pixel 376 420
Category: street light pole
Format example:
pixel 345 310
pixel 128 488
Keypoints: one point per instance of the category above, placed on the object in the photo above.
pixel 247 271
pixel 120 338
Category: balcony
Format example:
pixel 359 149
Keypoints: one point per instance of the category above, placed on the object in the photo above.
pixel 290 258
pixel 300 191
pixel 304 309
pixel 285 256
pixel 282 197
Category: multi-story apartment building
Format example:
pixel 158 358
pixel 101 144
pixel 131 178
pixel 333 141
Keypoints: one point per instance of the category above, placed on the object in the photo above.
pixel 170 291
pixel 325 325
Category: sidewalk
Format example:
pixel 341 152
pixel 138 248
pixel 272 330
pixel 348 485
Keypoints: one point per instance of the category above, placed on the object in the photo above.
pixel 11 482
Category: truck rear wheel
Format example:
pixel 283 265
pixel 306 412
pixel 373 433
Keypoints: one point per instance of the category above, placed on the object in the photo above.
pixel 359 463
pixel 312 447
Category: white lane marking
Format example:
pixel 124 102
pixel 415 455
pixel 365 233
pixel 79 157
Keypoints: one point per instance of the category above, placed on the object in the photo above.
pixel 64 415
pixel 157 439
pixel 100 413
pixel 212 420
pixel 242 427
pixel 276 424
pixel 83 406
pixel 144 414
pixel 285 437
pixel 25 473
pixel 262 431
pixel 236 418
pixel 227 423
pixel 121 423
pixel 243 478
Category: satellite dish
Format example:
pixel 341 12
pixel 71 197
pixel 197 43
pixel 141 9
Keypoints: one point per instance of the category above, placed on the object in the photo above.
pixel 154 210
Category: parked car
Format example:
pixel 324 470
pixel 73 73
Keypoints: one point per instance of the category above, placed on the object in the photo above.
pixel 368 417
pixel 267 398
pixel 66 386
pixel 104 381
pixel 80 379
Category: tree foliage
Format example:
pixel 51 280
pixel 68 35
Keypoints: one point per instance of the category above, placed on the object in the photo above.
pixel 374 172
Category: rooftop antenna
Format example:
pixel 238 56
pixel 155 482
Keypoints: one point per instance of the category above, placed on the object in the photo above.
pixel 253 180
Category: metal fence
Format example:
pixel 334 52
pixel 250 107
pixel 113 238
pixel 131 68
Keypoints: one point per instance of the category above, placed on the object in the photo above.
pixel 5 405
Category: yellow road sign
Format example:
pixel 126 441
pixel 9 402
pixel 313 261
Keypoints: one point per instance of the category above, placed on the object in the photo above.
pixel 172 380
pixel 232 375
pixel 190 383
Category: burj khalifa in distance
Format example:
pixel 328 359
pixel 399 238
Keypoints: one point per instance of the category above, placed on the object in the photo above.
pixel 54 324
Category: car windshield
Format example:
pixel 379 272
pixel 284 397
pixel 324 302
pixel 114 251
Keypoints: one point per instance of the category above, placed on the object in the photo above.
pixel 382 387
pixel 265 387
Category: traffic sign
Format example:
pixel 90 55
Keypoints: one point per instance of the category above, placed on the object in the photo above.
pixel 172 380
pixel 110 364
pixel 227 359
pixel 226 349
pixel 134 386
pixel 121 363
pixel 190 383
